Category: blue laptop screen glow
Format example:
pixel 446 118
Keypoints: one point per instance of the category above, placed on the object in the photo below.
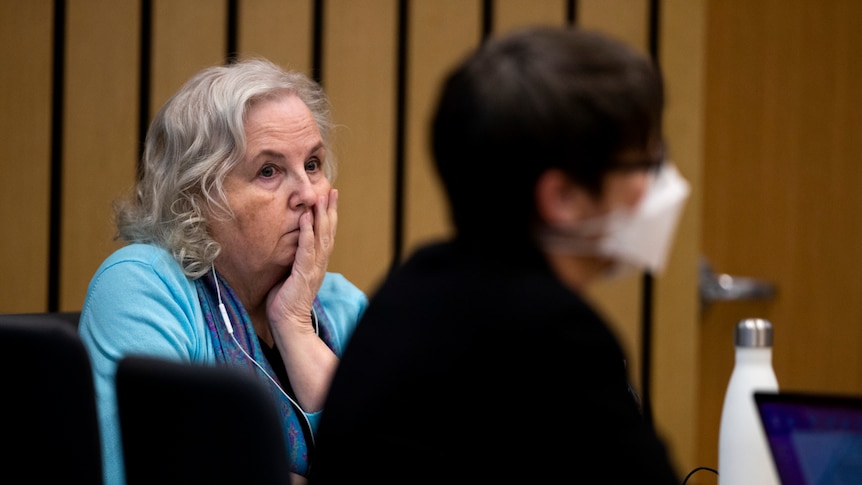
pixel 814 438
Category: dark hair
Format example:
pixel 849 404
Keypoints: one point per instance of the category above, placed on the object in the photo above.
pixel 535 99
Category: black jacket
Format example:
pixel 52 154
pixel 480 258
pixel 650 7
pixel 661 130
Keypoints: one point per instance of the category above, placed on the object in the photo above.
pixel 467 369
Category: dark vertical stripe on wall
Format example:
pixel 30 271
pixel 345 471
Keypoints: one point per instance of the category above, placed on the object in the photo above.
pixel 647 301
pixel 145 75
pixel 317 42
pixel 572 12
pixel 646 347
pixel 232 31
pixel 56 185
pixel 654 27
pixel 487 18
pixel 400 122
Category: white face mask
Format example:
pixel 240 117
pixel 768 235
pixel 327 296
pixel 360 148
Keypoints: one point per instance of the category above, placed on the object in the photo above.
pixel 633 238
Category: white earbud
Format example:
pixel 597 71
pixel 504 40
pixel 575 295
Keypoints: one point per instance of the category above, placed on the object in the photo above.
pixel 229 326
pixel 225 318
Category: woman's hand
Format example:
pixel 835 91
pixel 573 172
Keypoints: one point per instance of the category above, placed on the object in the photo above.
pixel 309 362
pixel 292 299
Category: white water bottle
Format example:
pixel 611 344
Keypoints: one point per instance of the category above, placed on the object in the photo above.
pixel 743 452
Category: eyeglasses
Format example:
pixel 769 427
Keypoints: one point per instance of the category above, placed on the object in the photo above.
pixel 652 164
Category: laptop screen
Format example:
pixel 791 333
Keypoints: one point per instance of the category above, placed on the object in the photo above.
pixel 814 438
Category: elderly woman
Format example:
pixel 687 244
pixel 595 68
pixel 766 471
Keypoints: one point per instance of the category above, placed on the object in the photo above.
pixel 229 233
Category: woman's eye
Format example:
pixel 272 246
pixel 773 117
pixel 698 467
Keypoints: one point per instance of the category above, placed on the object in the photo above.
pixel 312 165
pixel 267 171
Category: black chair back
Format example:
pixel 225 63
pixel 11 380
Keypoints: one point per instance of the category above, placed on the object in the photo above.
pixel 193 424
pixel 49 429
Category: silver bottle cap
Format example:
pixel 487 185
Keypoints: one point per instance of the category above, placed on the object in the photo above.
pixel 753 332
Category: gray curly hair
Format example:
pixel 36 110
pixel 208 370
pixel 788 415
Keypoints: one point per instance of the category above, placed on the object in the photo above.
pixel 194 140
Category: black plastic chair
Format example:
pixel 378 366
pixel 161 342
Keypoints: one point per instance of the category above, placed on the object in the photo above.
pixel 68 318
pixel 49 430
pixel 193 424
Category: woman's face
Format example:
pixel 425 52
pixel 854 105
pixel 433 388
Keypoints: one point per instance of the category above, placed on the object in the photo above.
pixel 278 179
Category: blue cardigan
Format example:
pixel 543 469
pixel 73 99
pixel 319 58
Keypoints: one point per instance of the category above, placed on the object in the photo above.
pixel 140 301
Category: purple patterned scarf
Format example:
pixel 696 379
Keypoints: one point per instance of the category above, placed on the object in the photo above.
pixel 227 353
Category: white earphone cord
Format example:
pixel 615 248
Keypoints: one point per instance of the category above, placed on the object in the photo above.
pixel 229 326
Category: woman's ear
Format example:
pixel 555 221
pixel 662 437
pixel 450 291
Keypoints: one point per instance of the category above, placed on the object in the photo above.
pixel 560 201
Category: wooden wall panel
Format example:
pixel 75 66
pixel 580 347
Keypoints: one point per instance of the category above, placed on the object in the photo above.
pixel 26 30
pixel 510 14
pixel 441 33
pixel 279 30
pixel 782 202
pixel 187 35
pixel 677 312
pixel 626 19
pixel 359 73
pixel 100 135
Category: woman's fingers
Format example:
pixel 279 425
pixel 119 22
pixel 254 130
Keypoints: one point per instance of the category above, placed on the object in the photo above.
pixel 332 210
pixel 325 224
pixel 316 241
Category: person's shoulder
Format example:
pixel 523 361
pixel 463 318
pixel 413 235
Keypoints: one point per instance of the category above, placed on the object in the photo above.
pixel 338 291
pixel 434 249
pixel 433 255
pixel 343 303
pixel 338 283
pixel 149 254
pixel 144 261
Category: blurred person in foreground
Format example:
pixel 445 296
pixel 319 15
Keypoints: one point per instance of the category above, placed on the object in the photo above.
pixel 480 359
pixel 233 205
